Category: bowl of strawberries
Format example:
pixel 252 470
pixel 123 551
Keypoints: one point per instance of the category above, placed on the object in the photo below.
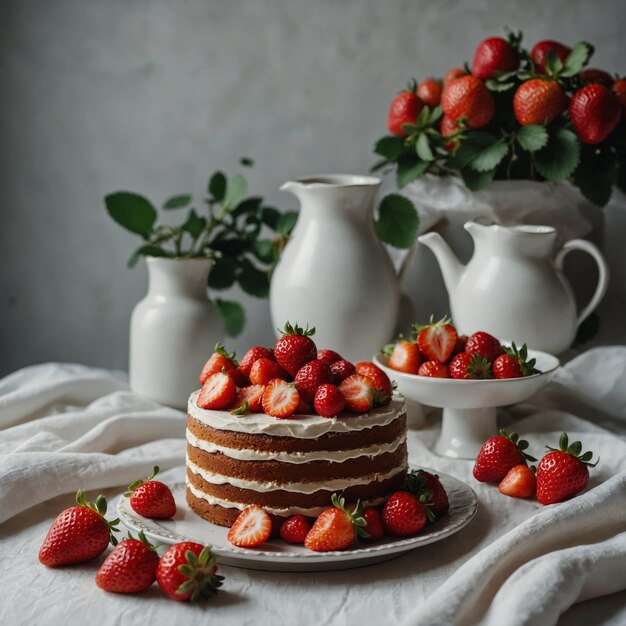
pixel 467 376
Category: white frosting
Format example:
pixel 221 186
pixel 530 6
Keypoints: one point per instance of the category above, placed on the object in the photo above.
pixel 307 487
pixel 336 456
pixel 313 511
pixel 300 427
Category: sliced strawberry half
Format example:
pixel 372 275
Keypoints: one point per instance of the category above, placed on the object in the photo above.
pixel 404 356
pixel 359 392
pixel 280 398
pixel 249 400
pixel 218 392
pixel 380 380
pixel 436 340
pixel 252 527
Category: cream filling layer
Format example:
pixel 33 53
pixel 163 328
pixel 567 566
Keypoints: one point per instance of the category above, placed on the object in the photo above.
pixel 308 487
pixel 313 511
pixel 336 456
pixel 300 427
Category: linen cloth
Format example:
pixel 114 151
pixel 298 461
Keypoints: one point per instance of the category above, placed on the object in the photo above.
pixel 518 562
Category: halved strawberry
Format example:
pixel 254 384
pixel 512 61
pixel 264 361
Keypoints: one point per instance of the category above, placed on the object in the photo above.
pixel 436 340
pixel 218 392
pixel 252 527
pixel 328 356
pixel 520 482
pixel 218 361
pixel 380 380
pixel 280 398
pixel 249 400
pixel 434 369
pixel 263 370
pixel 358 390
pixel 253 354
pixel 404 356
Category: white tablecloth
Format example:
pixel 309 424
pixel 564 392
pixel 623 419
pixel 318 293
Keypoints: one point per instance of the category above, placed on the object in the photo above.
pixel 66 426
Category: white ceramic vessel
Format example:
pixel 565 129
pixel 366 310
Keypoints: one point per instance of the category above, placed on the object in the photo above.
pixel 469 406
pixel 173 331
pixel 334 273
pixel 513 285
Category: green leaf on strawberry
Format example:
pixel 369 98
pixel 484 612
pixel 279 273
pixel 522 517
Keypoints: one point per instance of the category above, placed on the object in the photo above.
pixel 422 148
pixel 390 147
pixel 576 59
pixel 559 158
pixel 489 158
pixel 476 180
pixel 397 221
pixel 532 137
pixel 409 168
pixel 475 143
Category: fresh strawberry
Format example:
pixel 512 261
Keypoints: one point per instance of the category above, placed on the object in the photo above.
pixel 492 56
pixel 341 370
pixel 563 473
pixel 263 370
pixel 429 92
pixel 619 89
pixel 404 109
pixel 595 112
pixel 252 355
pixel 436 340
pixel 295 348
pixel 483 344
pixel 359 393
pixel 514 363
pixel 280 398
pixel 151 498
pixel 304 407
pixel 218 392
pixel 252 527
pixel 310 377
pixel 594 75
pixel 453 74
pixel 373 523
pixel 404 356
pixel 239 378
pixel 447 126
pixel 78 534
pixel 249 400
pixel 329 401
pixel 435 498
pixel 434 369
pixel 336 528
pixel 498 455
pixel 539 101
pixel 467 97
pixel 461 342
pixel 328 356
pixel 520 482
pixel 218 361
pixel 295 529
pixel 403 514
pixel 539 53
pixel 187 572
pixel 130 567
pixel 382 385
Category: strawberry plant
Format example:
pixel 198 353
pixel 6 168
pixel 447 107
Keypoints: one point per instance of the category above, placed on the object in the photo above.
pixel 516 115
pixel 240 233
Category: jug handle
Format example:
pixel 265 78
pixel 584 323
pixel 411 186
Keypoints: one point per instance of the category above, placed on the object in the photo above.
pixel 603 272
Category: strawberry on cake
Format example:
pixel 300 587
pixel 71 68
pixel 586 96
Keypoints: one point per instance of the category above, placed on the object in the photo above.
pixel 289 440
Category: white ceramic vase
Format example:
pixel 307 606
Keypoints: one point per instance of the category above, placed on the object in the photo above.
pixel 173 331
pixel 334 273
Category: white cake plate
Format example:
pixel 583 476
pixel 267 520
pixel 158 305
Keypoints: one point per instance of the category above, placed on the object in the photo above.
pixel 277 555
pixel 469 406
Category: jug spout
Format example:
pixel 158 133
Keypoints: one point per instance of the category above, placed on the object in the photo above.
pixel 451 267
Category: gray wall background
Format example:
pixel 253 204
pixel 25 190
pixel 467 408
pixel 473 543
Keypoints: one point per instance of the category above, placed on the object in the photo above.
pixel 153 95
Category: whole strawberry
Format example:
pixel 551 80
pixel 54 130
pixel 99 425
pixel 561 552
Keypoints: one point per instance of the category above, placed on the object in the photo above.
pixel 151 498
pixel 619 89
pixel 78 534
pixel 220 360
pixel 492 56
pixel 429 92
pixel 539 53
pixel 295 529
pixel 595 112
pixel 595 75
pixel 514 363
pixel 467 97
pixel 563 473
pixel 254 353
pixel 187 572
pixel 423 483
pixel 498 455
pixel 539 101
pixel 295 348
pixel 310 376
pixel 466 366
pixel 329 401
pixel 403 514
pixel 328 356
pixel 404 109
pixel 341 369
pixel 130 567
pixel 483 344
pixel 374 523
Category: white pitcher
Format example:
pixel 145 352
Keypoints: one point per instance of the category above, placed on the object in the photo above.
pixel 334 273
pixel 513 286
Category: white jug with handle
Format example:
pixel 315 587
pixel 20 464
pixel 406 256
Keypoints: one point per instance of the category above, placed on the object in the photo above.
pixel 513 286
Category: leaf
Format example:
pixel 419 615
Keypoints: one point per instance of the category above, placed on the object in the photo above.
pixel 235 190
pixel 176 202
pixel 576 59
pixel 474 180
pixel 287 222
pixel 270 217
pixel 194 224
pixel 532 137
pixel 223 273
pixel 233 315
pixel 217 186
pixel 246 161
pixel 559 158
pixel 254 282
pixel 489 158
pixel 390 147
pixel 422 147
pixel 497 86
pixel 264 250
pixel 397 221
pixel 423 118
pixel 470 148
pixel 436 113
pixel 553 64
pixel 147 249
pixel 595 176
pixel 132 211
pixel 409 169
